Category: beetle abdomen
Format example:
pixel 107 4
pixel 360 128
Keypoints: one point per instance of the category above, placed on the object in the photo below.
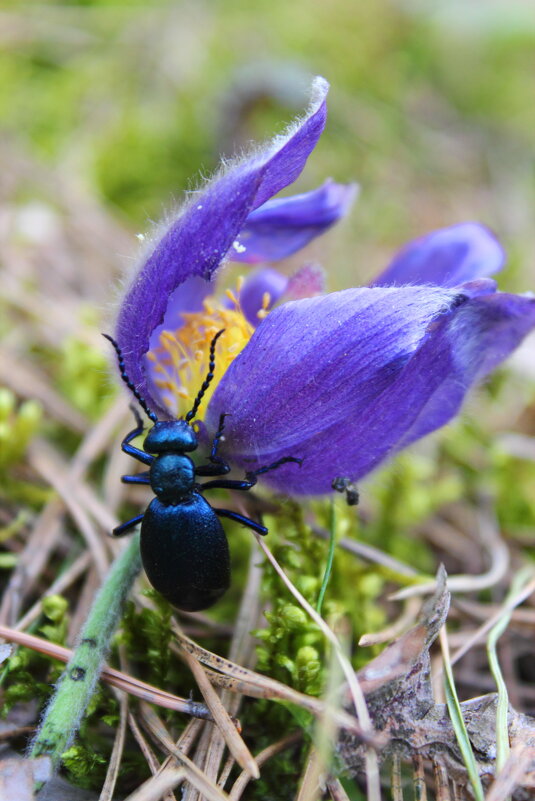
pixel 185 552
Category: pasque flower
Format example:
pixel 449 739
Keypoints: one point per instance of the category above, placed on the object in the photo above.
pixel 341 380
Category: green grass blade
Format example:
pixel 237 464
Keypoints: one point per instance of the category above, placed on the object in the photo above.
pixel 461 734
pixel 502 729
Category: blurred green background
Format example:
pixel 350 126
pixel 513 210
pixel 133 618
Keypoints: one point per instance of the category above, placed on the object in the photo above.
pixel 111 109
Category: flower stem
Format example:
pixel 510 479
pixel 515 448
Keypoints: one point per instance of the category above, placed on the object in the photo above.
pixel 77 683
pixel 330 557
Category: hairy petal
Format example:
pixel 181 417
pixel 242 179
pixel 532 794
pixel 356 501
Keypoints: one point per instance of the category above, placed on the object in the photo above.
pixel 447 257
pixel 285 225
pixel 345 380
pixel 195 243
pixel 266 281
pixel 187 298
pixel 480 336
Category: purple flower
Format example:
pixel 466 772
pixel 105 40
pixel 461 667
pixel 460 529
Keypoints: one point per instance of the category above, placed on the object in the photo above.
pixel 341 380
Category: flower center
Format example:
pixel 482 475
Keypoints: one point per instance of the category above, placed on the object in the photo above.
pixel 179 363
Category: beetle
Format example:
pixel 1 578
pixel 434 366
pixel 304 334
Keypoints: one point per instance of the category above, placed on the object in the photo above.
pixel 184 548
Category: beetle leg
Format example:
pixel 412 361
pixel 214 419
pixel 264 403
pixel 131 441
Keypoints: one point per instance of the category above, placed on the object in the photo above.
pixel 250 477
pixel 139 478
pixel 226 483
pixel 138 454
pixel 284 460
pixel 246 521
pixel 124 528
pixel 218 434
pixel 217 469
pixel 218 466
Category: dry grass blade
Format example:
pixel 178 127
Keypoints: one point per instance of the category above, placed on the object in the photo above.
pixel 88 591
pixel 310 786
pixel 261 758
pixel 98 437
pixel 482 611
pixel 242 680
pixel 200 757
pixel 63 582
pixel 225 773
pixel 91 503
pixel 395 778
pixel 442 792
pixel 395 629
pixel 235 743
pixel 498 555
pixel 145 748
pixel 116 678
pixel 242 644
pixel 46 462
pixel 156 787
pixel 371 554
pixel 28 382
pixel 478 635
pixel 336 790
pixel 187 739
pixel 458 793
pixel 193 774
pixel 184 744
pixel 420 788
pixel 325 736
pixel 114 765
pixel 149 755
pixel 40 544
pixel 512 773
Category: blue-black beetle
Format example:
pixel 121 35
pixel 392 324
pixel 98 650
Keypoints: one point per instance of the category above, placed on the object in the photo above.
pixel 183 545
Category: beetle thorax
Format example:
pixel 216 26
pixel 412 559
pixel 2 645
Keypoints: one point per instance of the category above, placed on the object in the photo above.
pixel 172 477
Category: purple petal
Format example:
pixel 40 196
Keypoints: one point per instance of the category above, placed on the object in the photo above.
pixel 317 365
pixel 262 282
pixel 187 298
pixel 283 226
pixel 483 333
pixel 345 380
pixel 196 242
pixel 447 257
pixel 308 281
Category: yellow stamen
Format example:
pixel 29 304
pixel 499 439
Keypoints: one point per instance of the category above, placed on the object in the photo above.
pixel 179 362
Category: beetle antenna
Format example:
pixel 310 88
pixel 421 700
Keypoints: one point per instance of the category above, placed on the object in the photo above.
pixel 206 383
pixel 142 402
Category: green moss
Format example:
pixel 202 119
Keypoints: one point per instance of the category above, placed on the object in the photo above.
pixel 85 765
pixel 146 635
pixel 18 426
pixel 55 609
pixel 82 375
pixel 26 677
